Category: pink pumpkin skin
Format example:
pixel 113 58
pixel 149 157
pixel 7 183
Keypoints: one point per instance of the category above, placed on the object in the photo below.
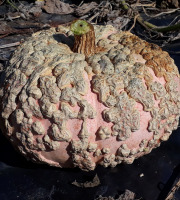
pixel 69 115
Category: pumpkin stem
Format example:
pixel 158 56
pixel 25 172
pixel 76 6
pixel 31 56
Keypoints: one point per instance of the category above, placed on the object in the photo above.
pixel 84 37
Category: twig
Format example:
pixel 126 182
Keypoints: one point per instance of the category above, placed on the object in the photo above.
pixel 9 45
pixel 134 23
pixel 81 3
pixel 11 18
pixel 174 20
pixel 162 13
pixel 12 4
pixel 84 16
pixel 2 2
pixel 94 16
pixel 143 5
pixel 173 190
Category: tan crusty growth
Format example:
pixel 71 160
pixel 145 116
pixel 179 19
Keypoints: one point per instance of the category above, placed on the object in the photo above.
pixel 69 109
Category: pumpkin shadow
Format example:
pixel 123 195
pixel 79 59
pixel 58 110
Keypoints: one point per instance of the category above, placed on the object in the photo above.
pixel 61 38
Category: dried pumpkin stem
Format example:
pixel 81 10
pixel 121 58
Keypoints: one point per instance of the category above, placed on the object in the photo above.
pixel 84 37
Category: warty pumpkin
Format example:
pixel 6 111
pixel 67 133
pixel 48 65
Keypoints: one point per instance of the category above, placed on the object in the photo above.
pixel 82 95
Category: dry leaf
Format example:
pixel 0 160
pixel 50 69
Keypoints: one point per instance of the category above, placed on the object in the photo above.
pixel 57 7
pixel 85 8
pixel 95 182
pixel 128 195
pixel 5 28
pixel 27 11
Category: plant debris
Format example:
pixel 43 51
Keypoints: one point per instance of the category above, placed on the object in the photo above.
pixel 168 3
pixel 88 184
pixel 127 195
pixel 30 10
pixel 57 7
pixel 176 187
pixel 119 22
pixel 85 8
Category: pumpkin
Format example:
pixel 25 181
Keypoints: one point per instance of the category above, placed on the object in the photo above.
pixel 82 95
